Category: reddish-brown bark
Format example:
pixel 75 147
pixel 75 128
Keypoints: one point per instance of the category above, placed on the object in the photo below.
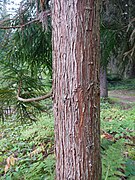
pixel 75 26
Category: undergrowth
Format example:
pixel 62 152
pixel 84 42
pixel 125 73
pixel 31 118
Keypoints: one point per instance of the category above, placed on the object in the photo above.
pixel 27 151
pixel 117 142
pixel 126 84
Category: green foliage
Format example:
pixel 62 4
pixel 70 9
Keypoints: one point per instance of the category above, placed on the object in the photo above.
pixel 22 69
pixel 27 150
pixel 112 161
pixel 108 44
pixel 130 167
pixel 117 121
pixel 36 171
pixel 26 63
pixel 34 135
pixel 118 34
pixel 117 127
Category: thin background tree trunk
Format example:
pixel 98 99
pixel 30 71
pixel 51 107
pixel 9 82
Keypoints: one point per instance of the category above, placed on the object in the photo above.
pixel 132 72
pixel 76 89
pixel 103 82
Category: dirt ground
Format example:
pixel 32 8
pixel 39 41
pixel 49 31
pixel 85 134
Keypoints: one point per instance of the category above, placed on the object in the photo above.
pixel 123 96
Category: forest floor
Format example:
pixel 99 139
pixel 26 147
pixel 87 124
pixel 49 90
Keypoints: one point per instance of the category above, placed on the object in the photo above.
pixel 123 91
pixel 125 97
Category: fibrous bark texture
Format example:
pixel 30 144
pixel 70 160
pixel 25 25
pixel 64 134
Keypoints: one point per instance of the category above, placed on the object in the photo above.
pixel 75 25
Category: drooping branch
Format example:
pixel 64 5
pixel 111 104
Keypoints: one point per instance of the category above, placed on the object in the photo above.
pixel 4 20
pixel 36 98
pixel 41 18
pixel 20 26
pixel 32 99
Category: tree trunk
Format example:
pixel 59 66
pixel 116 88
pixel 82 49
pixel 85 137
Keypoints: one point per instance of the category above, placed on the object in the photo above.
pixel 132 71
pixel 76 89
pixel 103 82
